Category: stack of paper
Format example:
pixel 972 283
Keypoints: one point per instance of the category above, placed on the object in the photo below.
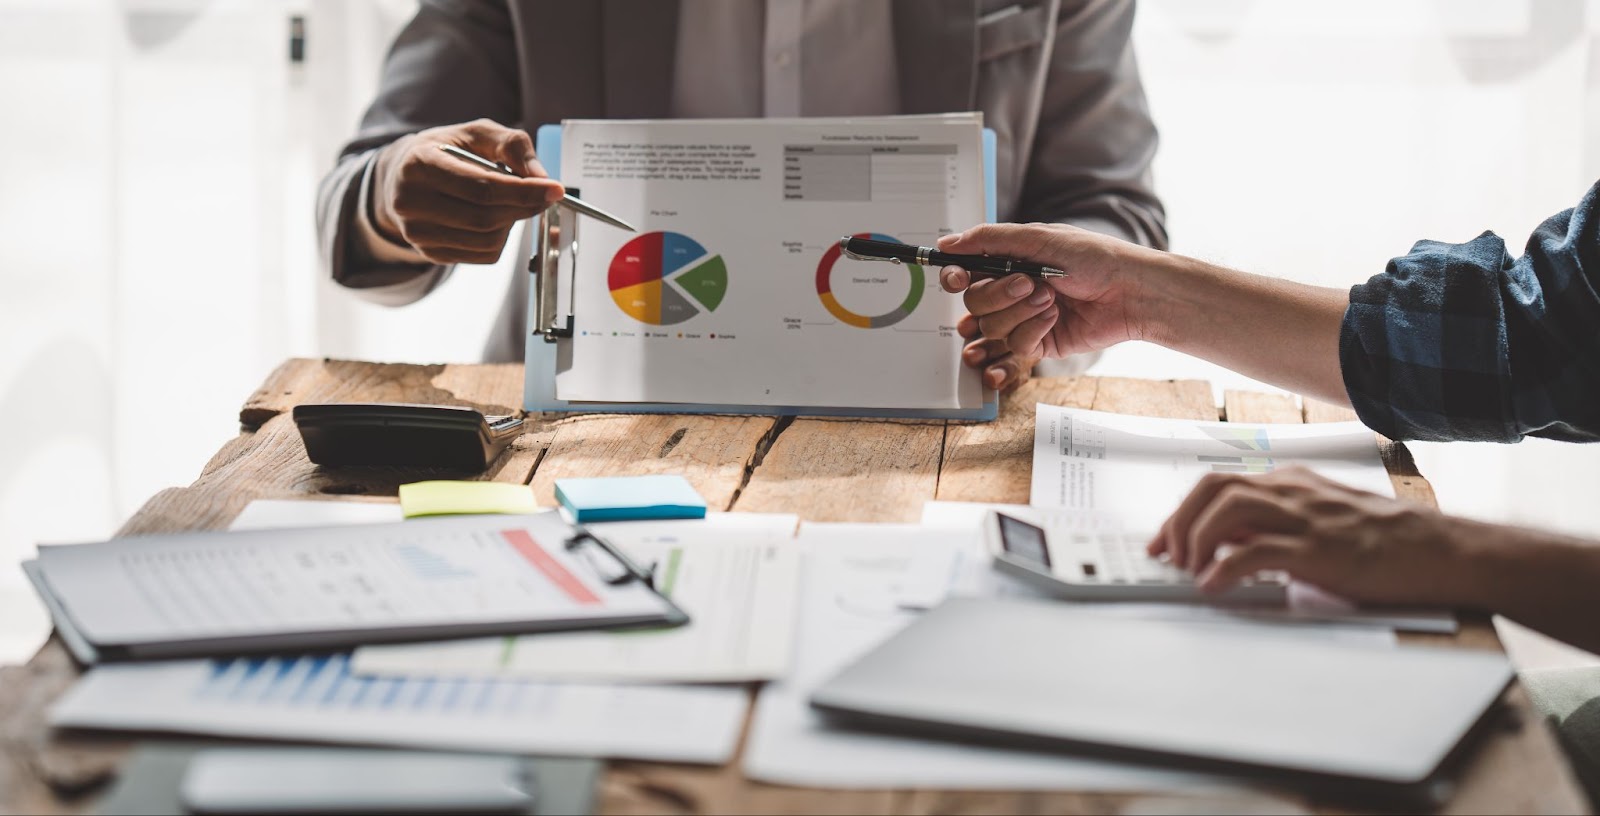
pixel 494 705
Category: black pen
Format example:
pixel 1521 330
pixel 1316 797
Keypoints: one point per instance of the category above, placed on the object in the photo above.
pixel 581 206
pixel 866 249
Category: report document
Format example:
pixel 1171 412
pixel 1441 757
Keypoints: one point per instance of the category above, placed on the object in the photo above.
pixel 735 291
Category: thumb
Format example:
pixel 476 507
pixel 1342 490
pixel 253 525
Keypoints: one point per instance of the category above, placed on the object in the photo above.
pixel 1008 372
pixel 516 149
pixel 495 141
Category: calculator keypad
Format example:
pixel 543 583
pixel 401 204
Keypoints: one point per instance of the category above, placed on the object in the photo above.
pixel 1106 554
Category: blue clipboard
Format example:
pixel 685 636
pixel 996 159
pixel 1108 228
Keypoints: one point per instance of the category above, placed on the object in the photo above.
pixel 539 381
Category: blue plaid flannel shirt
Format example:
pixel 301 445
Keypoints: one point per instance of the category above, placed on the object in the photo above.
pixel 1464 342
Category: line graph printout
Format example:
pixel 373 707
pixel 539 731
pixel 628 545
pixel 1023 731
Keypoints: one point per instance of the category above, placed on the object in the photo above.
pixel 734 291
pixel 1140 468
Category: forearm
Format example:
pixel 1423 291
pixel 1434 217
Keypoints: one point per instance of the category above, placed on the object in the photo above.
pixel 355 254
pixel 1276 331
pixel 1541 580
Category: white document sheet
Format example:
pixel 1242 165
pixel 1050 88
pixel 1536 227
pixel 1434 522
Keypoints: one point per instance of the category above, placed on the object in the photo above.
pixel 734 290
pixel 737 575
pixel 857 591
pixel 459 571
pixel 318 700
pixel 278 514
pixel 1140 468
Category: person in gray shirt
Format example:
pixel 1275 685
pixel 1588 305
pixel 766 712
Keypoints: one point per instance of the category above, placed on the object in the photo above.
pixel 1055 79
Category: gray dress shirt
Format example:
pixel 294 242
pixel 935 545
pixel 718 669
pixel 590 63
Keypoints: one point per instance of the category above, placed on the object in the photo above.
pixel 714 36
pixel 1056 80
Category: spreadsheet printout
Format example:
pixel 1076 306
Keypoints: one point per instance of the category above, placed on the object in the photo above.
pixel 1138 469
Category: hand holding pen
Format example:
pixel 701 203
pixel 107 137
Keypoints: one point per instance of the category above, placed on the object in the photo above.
pixel 1102 300
pixel 426 202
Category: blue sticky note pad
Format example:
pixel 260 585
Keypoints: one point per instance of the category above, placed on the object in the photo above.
pixel 630 498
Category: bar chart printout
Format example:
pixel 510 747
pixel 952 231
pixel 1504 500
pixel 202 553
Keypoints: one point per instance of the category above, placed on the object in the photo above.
pixel 316 698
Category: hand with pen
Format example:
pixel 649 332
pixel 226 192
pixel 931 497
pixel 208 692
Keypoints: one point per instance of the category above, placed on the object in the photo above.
pixel 1274 330
pixel 1030 316
pixel 452 211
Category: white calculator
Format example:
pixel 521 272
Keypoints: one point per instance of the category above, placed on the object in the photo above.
pixel 1091 558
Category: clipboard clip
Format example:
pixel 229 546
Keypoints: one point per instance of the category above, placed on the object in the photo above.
pixel 608 562
pixel 558 236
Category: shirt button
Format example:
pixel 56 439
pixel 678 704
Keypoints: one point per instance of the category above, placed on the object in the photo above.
pixel 784 59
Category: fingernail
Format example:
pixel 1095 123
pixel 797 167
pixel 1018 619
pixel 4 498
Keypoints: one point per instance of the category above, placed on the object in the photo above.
pixel 995 376
pixel 1019 286
pixel 950 279
pixel 972 355
pixel 1040 296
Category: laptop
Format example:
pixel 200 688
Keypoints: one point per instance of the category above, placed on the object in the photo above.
pixel 1340 718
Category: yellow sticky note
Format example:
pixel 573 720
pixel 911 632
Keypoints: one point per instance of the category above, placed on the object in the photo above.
pixel 447 498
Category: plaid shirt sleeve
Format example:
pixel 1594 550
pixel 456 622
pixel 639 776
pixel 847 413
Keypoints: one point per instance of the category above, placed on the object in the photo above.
pixel 1464 342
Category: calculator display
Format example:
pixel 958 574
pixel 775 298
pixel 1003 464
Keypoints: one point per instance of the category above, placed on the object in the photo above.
pixel 1023 540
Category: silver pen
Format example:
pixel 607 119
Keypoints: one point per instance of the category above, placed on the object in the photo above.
pixel 576 204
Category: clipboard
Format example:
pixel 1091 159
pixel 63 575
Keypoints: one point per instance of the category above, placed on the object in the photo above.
pixel 542 355
pixel 574 564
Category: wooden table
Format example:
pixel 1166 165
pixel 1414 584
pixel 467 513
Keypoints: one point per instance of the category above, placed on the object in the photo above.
pixel 822 469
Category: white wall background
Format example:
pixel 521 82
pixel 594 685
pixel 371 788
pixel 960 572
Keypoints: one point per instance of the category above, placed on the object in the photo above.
pixel 159 159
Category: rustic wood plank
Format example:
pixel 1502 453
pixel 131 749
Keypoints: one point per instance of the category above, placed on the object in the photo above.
pixel 993 461
pixel 1255 406
pixel 712 452
pixel 1518 767
pixel 1318 411
pixel 1408 481
pixel 1173 399
pixel 42 772
pixel 268 460
pixel 848 470
pixel 490 388
pixel 271 463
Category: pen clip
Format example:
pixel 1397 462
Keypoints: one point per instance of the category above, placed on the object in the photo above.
pixel 858 257
pixel 624 570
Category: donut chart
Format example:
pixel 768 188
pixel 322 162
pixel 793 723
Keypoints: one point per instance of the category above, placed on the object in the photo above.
pixel 835 308
pixel 658 277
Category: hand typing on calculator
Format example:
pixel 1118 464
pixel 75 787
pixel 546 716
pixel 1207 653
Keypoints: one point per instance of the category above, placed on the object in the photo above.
pixel 1093 558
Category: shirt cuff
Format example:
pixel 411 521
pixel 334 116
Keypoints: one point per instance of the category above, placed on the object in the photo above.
pixel 368 243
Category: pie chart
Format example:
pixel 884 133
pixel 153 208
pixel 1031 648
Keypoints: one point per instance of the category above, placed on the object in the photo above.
pixel 831 301
pixel 663 278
